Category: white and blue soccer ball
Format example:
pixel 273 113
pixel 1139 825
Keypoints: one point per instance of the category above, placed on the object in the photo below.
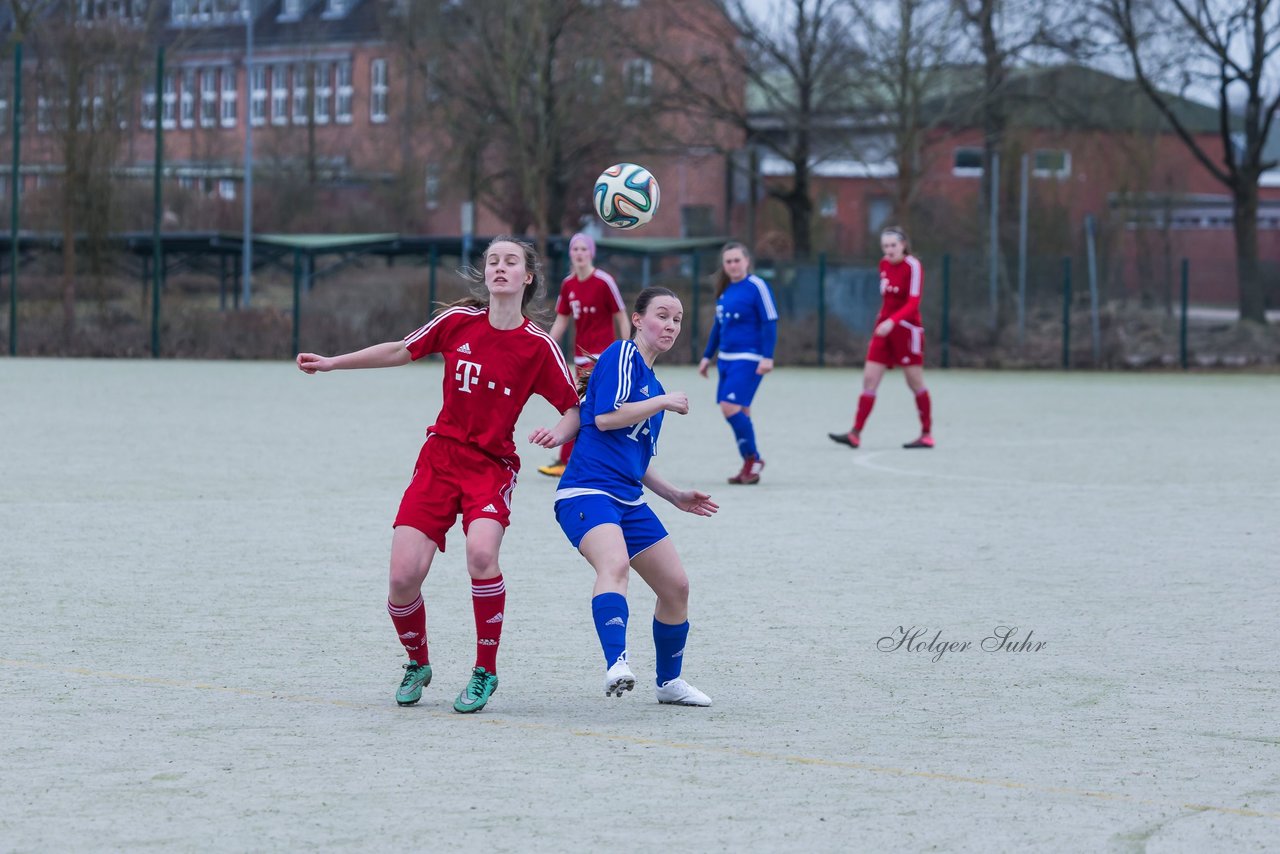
pixel 626 196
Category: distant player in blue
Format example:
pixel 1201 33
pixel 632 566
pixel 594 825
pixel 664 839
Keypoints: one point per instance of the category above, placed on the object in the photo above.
pixel 743 339
pixel 601 507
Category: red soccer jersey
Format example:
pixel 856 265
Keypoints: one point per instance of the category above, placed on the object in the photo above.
pixel 593 302
pixel 489 374
pixel 900 290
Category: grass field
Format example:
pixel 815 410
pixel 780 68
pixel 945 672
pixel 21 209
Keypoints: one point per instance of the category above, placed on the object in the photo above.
pixel 196 653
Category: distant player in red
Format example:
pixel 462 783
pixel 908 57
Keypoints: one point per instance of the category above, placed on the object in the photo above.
pixel 495 359
pixel 898 338
pixel 590 299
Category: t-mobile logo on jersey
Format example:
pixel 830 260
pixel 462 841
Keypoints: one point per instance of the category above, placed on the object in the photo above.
pixel 467 373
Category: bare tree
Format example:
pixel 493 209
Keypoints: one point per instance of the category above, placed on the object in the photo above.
pixel 906 49
pixel 528 92
pixel 88 63
pixel 782 77
pixel 1228 47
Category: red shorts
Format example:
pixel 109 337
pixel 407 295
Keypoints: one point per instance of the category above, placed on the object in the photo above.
pixel 451 478
pixel 904 345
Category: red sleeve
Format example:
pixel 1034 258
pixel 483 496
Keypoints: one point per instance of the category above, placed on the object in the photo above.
pixel 430 338
pixel 614 295
pixel 913 290
pixel 554 381
pixel 562 301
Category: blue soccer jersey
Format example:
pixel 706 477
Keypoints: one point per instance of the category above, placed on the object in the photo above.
pixel 612 462
pixel 746 324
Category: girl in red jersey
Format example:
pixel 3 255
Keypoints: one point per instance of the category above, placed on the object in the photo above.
pixel 898 338
pixel 590 300
pixel 495 358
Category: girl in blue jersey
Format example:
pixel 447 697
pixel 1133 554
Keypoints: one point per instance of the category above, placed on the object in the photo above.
pixel 600 503
pixel 743 338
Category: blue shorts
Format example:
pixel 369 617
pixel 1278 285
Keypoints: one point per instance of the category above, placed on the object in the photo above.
pixel 640 525
pixel 738 381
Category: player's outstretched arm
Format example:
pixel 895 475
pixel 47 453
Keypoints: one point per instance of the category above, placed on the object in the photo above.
pixel 688 500
pixel 566 428
pixel 387 355
pixel 631 414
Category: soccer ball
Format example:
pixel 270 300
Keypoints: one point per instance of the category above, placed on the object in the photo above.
pixel 626 195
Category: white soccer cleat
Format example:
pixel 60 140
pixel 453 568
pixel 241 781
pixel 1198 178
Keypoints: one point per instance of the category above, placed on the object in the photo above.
pixel 618 679
pixel 678 692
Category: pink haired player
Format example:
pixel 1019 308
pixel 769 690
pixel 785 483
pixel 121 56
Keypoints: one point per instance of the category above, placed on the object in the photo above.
pixel 590 300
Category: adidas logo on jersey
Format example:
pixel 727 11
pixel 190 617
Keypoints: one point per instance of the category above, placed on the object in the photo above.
pixel 616 621
pixel 733 396
pixel 465 348
pixel 644 390
pixel 489 508
pixel 496 618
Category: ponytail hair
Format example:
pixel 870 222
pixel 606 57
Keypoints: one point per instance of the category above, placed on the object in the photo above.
pixel 722 278
pixel 645 297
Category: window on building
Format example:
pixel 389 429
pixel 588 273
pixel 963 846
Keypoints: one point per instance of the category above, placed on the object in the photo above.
pixel 203 11
pixel 208 97
pixel 148 112
pixel 637 81
pixel 378 90
pixel 878 212
pixel 229 109
pixel 967 162
pixel 828 206
pixel 169 109
pixel 258 95
pixel 323 100
pixel 180 11
pixel 431 186
pixel 697 221
pixel 226 189
pixel 1051 163
pixel 187 99
pixel 118 101
pixel 335 8
pixel 279 94
pixel 4 104
pixel 291 9
pixel 342 113
pixel 299 94
pixel 590 71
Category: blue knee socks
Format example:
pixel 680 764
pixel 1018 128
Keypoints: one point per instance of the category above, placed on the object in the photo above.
pixel 744 433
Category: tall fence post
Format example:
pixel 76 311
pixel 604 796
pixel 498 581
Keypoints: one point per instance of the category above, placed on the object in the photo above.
pixel 434 261
pixel 1095 329
pixel 994 250
pixel 1182 332
pixel 297 299
pixel 1022 254
pixel 1066 312
pixel 946 310
pixel 822 309
pixel 157 250
pixel 693 335
pixel 15 189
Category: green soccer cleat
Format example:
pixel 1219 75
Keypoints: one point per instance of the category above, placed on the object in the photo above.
pixel 416 677
pixel 477 692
